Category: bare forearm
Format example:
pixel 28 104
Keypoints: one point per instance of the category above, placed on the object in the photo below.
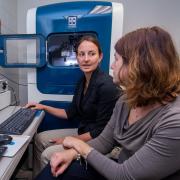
pixel 78 145
pixel 61 113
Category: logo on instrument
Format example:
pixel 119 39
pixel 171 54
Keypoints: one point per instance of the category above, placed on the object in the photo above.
pixel 72 21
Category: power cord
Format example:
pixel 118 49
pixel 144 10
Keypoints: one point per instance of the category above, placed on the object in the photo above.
pixel 15 99
pixel 14 95
pixel 20 84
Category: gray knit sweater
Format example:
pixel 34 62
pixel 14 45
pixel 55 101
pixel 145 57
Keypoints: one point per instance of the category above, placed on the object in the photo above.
pixel 150 146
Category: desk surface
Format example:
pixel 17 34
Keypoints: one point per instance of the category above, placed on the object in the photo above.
pixel 7 164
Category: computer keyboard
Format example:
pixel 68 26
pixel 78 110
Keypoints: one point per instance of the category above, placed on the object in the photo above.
pixel 18 122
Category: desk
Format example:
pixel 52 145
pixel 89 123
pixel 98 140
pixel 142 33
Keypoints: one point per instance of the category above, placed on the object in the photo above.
pixel 7 164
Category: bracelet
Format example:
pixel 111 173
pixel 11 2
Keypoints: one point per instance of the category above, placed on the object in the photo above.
pixel 78 157
pixel 83 158
pixel 85 155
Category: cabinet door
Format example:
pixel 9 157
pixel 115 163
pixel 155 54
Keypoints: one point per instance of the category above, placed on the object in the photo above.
pixel 22 51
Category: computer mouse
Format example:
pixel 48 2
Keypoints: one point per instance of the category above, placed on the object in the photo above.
pixel 32 106
pixel 5 139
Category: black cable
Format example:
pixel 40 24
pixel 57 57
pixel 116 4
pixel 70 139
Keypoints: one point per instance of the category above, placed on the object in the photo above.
pixel 14 94
pixel 14 81
pixel 15 98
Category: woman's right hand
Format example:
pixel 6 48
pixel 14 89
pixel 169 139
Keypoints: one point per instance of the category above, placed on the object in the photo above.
pixel 61 160
pixel 34 105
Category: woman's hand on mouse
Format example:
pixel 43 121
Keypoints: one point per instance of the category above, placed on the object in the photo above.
pixel 34 105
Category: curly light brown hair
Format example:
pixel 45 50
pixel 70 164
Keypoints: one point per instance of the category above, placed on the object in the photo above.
pixel 153 66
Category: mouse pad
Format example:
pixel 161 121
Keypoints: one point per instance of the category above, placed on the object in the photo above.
pixel 15 145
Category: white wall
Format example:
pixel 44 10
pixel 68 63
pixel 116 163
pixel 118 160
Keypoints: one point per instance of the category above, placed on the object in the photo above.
pixel 8 17
pixel 137 13
pixel 164 13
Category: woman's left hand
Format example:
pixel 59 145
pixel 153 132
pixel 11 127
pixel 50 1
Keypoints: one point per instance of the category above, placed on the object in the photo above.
pixel 80 146
pixel 61 160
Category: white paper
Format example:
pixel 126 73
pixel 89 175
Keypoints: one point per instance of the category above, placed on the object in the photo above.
pixel 17 142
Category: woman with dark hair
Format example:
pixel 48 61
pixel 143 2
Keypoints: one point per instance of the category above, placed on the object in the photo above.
pixel 145 121
pixel 92 104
